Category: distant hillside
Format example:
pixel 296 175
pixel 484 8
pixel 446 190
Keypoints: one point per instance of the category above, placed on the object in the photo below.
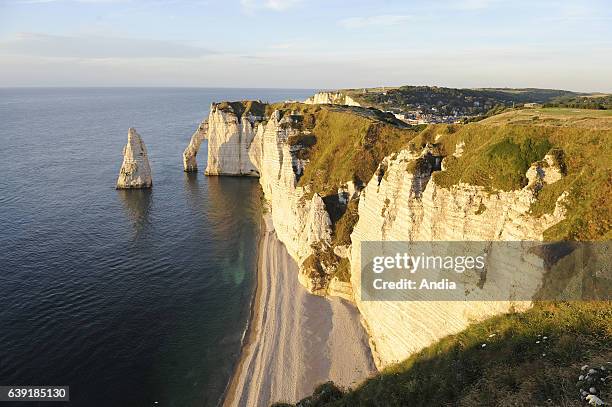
pixel 452 102
pixel 597 101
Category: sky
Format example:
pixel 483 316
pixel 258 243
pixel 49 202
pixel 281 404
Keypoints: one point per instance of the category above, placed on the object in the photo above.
pixel 307 43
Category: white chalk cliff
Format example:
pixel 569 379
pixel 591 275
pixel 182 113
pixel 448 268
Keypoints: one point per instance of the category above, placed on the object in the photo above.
pixel 404 205
pixel 228 147
pixel 331 98
pixel 189 155
pixel 135 171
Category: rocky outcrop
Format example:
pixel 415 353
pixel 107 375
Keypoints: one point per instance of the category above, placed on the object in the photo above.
pixel 189 155
pixel 135 171
pixel 547 171
pixel 331 98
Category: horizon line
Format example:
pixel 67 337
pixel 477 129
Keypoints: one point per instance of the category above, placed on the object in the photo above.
pixel 589 92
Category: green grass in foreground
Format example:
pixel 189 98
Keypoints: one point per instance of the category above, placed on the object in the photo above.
pixel 511 370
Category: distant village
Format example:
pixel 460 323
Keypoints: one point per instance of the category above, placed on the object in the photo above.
pixel 424 105
pixel 419 116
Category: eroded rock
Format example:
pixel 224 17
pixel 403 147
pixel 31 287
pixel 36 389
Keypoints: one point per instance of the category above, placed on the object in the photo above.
pixel 135 171
pixel 189 155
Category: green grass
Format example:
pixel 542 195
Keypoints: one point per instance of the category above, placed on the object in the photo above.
pixel 574 112
pixel 512 370
pixel 499 165
pixel 323 264
pixel 344 226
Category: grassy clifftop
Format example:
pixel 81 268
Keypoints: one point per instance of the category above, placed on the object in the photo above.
pixel 519 359
pixel 341 144
pixel 244 107
pixel 498 151
pixel 555 117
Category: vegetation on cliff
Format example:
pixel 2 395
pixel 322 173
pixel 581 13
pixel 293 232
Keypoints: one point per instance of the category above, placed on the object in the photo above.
pixel 531 358
pixel 343 143
pixel 241 108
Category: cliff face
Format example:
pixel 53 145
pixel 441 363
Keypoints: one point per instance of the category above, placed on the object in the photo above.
pixel 299 221
pixel 331 98
pixel 229 141
pixel 135 171
pixel 403 205
pixel 407 205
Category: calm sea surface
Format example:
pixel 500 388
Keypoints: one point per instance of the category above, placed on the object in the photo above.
pixel 128 297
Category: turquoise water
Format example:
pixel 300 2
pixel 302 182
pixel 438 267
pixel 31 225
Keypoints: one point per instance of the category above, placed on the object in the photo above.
pixel 128 297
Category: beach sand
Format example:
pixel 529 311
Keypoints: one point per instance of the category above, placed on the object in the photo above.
pixel 295 340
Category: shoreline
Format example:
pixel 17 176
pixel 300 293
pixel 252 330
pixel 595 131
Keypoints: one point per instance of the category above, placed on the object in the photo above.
pixel 294 340
pixel 248 335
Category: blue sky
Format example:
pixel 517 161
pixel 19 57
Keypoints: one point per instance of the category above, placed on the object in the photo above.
pixel 306 43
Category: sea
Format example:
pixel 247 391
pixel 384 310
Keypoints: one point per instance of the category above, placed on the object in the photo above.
pixel 130 298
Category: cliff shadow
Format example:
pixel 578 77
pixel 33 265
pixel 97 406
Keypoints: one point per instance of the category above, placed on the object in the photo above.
pixel 237 147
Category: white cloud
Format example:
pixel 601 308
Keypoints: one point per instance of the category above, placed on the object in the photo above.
pixel 381 20
pixel 282 45
pixel 250 6
pixel 280 4
pixel 44 45
pixel 474 4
